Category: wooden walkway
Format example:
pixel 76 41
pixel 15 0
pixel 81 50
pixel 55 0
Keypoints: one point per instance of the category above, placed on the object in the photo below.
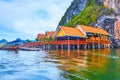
pixel 88 43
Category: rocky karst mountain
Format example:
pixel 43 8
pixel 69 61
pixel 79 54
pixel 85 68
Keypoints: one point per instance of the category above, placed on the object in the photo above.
pixel 97 13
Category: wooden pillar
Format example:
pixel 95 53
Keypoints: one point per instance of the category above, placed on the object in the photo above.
pixel 43 46
pixel 98 45
pixel 68 44
pixel 56 44
pixel 93 45
pixel 49 46
pixel 108 45
pixel 62 47
pixel 78 45
pixel 46 46
pixel 85 46
pixel 54 47
pixel 88 46
pixel 74 46
pixel 104 45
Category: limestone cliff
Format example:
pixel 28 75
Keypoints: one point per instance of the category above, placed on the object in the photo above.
pixel 97 13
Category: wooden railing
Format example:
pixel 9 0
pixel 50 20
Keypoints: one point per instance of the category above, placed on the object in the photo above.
pixel 91 40
pixel 98 40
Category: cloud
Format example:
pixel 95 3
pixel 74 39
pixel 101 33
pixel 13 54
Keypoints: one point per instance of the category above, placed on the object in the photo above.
pixel 30 17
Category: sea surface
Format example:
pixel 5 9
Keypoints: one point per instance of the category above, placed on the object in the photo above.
pixel 60 65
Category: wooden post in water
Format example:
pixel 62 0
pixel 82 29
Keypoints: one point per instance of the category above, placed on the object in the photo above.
pixel 104 46
pixel 93 45
pixel 48 46
pixel 44 47
pixel 62 47
pixel 108 45
pixel 56 44
pixel 85 46
pixel 98 45
pixel 68 44
pixel 73 46
pixel 88 46
pixel 78 46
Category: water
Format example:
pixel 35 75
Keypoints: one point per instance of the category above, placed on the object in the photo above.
pixel 60 65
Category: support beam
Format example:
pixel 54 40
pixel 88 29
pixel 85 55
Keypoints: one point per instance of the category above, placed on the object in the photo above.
pixel 73 47
pixel 78 45
pixel 88 46
pixel 85 46
pixel 56 44
pixel 68 44
pixel 108 45
pixel 93 45
pixel 49 46
pixel 56 47
pixel 104 45
pixel 99 46
pixel 62 46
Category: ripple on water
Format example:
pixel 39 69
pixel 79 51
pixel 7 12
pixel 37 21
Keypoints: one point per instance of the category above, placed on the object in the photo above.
pixel 59 65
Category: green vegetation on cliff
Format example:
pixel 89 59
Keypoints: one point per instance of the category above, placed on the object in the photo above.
pixel 89 15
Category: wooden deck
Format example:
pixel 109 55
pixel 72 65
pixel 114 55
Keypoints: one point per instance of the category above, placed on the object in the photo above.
pixel 67 42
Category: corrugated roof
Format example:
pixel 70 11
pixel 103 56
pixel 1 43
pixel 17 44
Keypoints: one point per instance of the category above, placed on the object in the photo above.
pixel 52 34
pixel 72 31
pixel 40 36
pixel 47 34
pixel 94 30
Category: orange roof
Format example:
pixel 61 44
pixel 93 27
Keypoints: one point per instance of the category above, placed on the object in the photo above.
pixel 52 34
pixel 47 34
pixel 94 30
pixel 40 36
pixel 72 31
pixel 43 36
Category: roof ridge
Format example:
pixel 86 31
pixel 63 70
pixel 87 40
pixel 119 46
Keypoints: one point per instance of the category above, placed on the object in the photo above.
pixel 67 27
pixel 90 27
pixel 94 30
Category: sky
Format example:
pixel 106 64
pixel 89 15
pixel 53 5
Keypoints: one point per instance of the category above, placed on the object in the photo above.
pixel 26 18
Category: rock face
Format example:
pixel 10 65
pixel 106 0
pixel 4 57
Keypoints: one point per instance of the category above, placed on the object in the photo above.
pixel 75 8
pixel 109 22
pixel 117 32
pixel 113 4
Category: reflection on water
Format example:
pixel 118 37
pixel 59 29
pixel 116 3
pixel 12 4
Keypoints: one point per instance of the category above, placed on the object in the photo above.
pixel 60 65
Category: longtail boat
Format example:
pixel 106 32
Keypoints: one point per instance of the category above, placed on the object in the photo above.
pixel 10 48
pixel 29 49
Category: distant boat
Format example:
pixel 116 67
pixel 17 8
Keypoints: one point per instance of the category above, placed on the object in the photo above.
pixel 9 48
pixel 29 49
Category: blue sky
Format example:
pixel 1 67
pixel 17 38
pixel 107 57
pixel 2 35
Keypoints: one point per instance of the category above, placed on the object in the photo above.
pixel 26 18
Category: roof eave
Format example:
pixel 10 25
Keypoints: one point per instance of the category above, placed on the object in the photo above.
pixel 73 36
